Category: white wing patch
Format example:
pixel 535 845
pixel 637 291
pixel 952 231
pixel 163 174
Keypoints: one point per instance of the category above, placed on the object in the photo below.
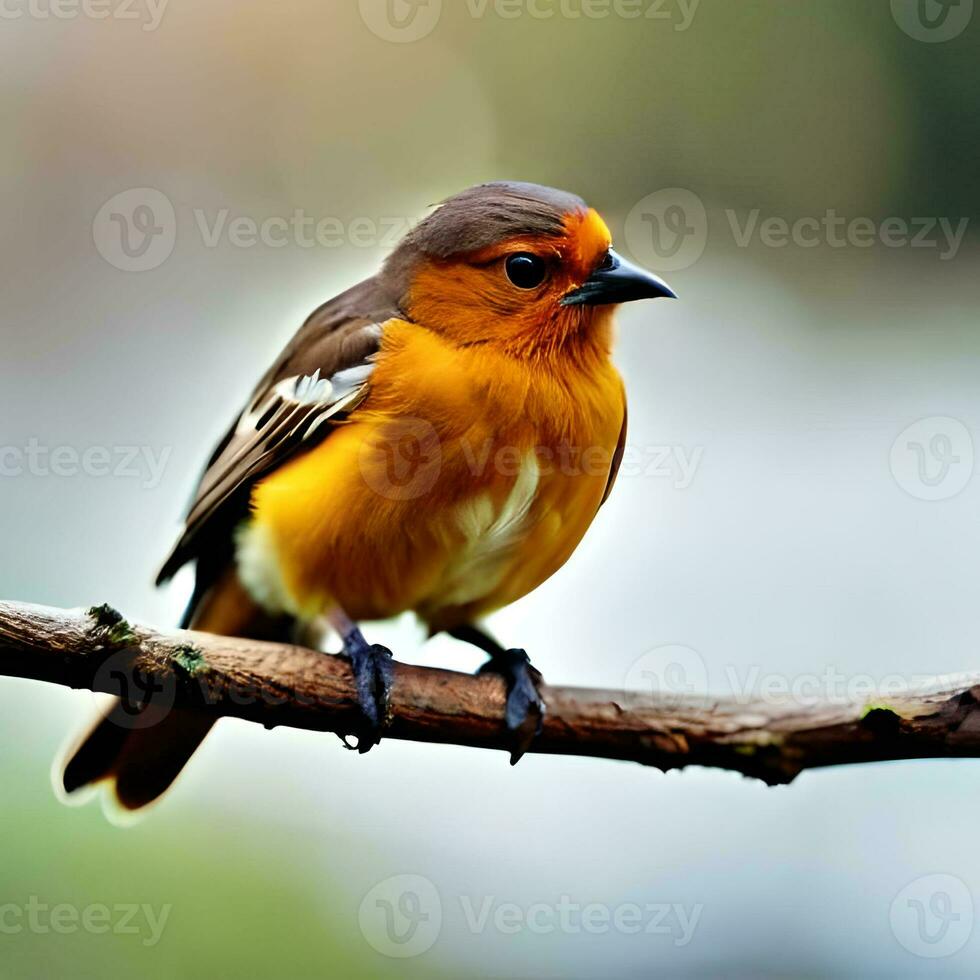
pixel 258 565
pixel 305 392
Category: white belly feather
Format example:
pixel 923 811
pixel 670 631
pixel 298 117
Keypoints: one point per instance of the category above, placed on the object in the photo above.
pixel 474 571
pixel 491 535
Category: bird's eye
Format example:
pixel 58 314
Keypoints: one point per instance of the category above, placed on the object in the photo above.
pixel 608 262
pixel 526 271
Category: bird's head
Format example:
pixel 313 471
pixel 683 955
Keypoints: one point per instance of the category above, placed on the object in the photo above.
pixel 520 266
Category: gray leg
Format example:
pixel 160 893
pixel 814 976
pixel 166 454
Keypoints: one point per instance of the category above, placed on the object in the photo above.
pixel 373 670
pixel 525 709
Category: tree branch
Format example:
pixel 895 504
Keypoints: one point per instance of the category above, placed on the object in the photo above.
pixel 277 684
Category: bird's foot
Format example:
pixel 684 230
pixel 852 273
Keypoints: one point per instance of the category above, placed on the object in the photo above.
pixel 374 671
pixel 525 710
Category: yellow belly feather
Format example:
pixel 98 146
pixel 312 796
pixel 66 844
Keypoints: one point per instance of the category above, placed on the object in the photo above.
pixel 509 474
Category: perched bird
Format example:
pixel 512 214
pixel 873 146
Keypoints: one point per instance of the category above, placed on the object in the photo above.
pixel 438 439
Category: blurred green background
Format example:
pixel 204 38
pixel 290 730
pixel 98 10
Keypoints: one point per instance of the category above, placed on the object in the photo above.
pixel 793 369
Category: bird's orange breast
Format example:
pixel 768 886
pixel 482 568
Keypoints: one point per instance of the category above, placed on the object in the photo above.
pixel 464 480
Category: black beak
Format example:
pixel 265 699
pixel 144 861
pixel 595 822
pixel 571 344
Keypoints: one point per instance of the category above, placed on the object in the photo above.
pixel 617 281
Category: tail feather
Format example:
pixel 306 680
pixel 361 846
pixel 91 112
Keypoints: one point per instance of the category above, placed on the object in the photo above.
pixel 91 760
pixel 137 764
pixel 137 754
pixel 152 758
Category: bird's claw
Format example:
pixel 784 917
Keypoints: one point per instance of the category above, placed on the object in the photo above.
pixel 525 709
pixel 374 672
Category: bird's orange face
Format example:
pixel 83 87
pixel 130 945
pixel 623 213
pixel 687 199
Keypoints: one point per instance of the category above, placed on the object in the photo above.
pixel 529 294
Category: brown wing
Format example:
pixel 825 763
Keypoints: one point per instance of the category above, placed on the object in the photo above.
pixel 617 459
pixel 318 379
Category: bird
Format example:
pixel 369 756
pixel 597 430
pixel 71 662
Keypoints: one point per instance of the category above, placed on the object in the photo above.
pixel 436 439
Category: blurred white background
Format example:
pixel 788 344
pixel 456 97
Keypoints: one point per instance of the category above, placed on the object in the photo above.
pixel 787 374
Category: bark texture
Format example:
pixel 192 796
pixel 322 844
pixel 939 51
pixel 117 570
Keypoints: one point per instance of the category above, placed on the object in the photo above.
pixel 275 684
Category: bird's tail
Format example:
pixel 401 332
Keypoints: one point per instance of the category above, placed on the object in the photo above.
pixel 136 755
